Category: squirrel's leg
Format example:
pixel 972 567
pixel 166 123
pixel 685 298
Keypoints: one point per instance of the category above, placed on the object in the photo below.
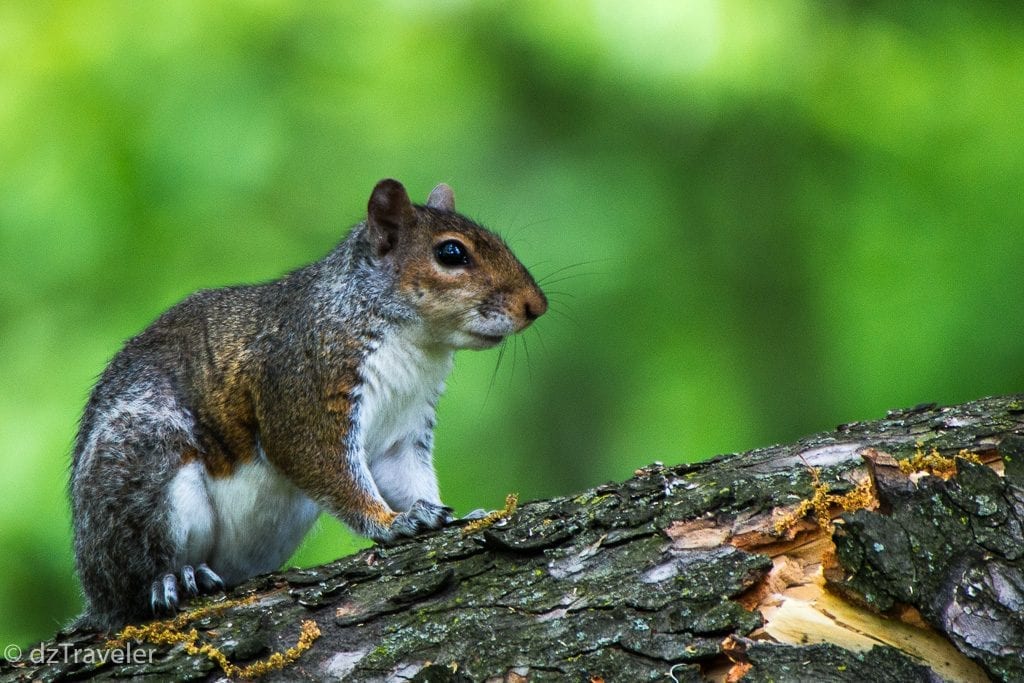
pixel 406 480
pixel 125 538
pixel 190 524
pixel 367 511
pixel 343 485
pixel 406 477
pixel 322 453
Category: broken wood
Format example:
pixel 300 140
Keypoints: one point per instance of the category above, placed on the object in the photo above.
pixel 885 550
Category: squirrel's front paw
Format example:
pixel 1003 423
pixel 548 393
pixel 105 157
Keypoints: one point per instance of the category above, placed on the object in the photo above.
pixel 163 597
pixel 423 515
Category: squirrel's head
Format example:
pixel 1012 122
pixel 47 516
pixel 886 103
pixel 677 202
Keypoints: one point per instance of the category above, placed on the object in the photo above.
pixel 463 281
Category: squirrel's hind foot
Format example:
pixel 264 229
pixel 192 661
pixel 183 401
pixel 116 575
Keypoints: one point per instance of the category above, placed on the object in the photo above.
pixel 194 581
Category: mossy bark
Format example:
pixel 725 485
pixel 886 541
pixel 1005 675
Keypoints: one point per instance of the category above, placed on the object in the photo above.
pixel 664 576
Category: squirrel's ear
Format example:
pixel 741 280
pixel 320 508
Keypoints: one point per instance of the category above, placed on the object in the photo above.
pixel 442 198
pixel 388 212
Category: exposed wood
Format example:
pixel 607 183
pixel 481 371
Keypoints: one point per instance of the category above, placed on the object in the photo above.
pixel 822 559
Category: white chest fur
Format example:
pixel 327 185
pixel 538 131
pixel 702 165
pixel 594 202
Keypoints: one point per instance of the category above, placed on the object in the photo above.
pixel 402 382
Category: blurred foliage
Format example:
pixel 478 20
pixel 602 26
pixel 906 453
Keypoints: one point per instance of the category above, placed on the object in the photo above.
pixel 755 220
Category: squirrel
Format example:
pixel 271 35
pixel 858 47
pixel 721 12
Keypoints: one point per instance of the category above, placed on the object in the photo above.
pixel 214 438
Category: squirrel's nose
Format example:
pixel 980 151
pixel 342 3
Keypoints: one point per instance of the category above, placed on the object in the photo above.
pixel 534 305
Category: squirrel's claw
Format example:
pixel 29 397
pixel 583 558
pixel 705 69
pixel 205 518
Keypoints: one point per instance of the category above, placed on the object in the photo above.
pixel 208 580
pixel 474 515
pixel 188 581
pixel 163 594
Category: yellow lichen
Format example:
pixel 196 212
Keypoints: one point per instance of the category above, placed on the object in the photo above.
pixel 308 632
pixel 171 632
pixel 511 501
pixel 823 501
pixel 934 462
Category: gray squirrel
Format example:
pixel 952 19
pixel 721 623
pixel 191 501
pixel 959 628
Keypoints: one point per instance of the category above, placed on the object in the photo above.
pixel 214 438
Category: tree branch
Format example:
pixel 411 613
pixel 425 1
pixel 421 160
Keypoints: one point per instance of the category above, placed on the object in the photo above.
pixel 706 571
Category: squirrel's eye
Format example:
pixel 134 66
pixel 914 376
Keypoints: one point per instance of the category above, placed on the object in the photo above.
pixel 452 253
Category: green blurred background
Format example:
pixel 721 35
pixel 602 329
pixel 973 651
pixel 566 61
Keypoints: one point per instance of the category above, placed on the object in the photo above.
pixel 758 219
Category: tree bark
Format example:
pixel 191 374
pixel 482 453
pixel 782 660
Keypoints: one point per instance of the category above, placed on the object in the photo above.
pixel 710 571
